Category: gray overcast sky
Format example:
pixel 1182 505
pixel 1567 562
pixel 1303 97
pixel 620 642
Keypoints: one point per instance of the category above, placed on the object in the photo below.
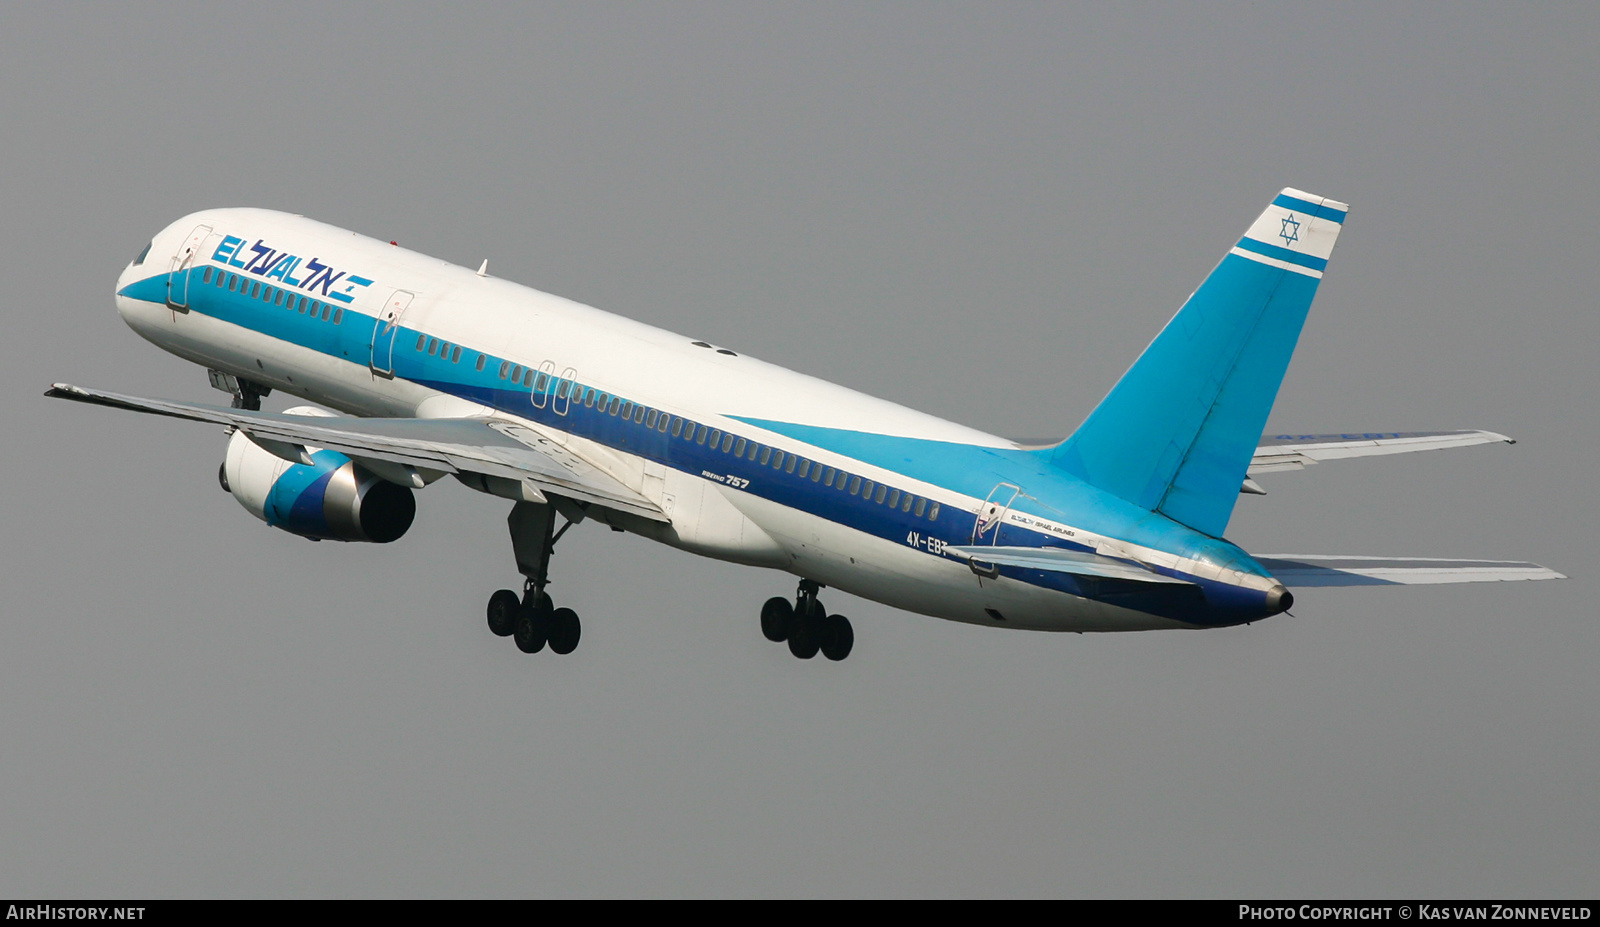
pixel 983 211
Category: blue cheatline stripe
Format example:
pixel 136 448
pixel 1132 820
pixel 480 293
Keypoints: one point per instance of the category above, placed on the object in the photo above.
pixel 150 289
pixel 1299 205
pixel 969 470
pixel 1283 254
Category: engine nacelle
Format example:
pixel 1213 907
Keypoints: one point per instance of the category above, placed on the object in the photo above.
pixel 332 498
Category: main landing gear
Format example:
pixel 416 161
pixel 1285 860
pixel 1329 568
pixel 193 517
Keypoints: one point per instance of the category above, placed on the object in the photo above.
pixel 532 619
pixel 807 626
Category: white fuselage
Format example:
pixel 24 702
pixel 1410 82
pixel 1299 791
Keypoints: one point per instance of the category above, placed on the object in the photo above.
pixel 347 366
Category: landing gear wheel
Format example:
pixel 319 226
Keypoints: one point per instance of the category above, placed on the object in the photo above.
pixel 776 618
pixel 503 607
pixel 841 638
pixel 565 629
pixel 533 628
pixel 803 637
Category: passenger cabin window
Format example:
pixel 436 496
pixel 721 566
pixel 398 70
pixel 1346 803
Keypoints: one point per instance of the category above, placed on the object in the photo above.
pixel 905 504
pixel 933 511
pixel 789 467
pixel 588 397
pixel 651 421
pixel 855 485
pixel 803 469
pixel 638 415
pixel 738 449
pixel 879 497
pixel 664 424
pixel 700 434
pixel 922 507
pixel 615 405
pixel 716 438
pixel 677 426
pixel 544 380
pixel 777 460
pixel 338 314
pixel 766 454
pixel 562 390
pixel 482 359
pixel 627 410
pixel 827 477
pixel 527 377
pixel 894 499
pixel 504 366
pixel 455 354
pixel 206 276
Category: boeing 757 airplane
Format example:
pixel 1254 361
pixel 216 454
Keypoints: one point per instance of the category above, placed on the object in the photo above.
pixel 575 414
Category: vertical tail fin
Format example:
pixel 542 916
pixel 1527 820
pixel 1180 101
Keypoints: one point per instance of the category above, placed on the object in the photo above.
pixel 1176 433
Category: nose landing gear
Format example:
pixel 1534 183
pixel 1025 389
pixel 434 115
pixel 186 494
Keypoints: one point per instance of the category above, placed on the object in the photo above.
pixel 807 626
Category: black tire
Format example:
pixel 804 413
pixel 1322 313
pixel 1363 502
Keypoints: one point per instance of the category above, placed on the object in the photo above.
pixel 803 637
pixel 565 629
pixel 841 638
pixel 503 608
pixel 776 616
pixel 533 628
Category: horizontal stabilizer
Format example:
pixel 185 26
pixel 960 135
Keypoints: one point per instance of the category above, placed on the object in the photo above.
pixel 1294 452
pixel 450 445
pixel 1311 570
pixel 1060 560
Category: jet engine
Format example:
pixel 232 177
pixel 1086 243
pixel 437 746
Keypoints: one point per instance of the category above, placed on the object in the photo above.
pixel 331 498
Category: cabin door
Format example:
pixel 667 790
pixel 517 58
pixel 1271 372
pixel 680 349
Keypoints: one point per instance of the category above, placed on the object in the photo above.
pixel 383 333
pixel 182 266
pixel 986 530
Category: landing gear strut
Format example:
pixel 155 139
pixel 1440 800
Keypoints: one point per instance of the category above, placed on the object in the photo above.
pixel 806 625
pixel 532 620
pixel 246 394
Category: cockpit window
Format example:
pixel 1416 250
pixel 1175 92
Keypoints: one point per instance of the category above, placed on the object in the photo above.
pixel 142 255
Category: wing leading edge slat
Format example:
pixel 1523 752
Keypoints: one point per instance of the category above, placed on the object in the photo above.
pixel 452 445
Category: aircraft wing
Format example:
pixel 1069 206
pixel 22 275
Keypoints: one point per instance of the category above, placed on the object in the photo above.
pixel 1060 560
pixel 1293 452
pixel 450 445
pixel 1314 570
